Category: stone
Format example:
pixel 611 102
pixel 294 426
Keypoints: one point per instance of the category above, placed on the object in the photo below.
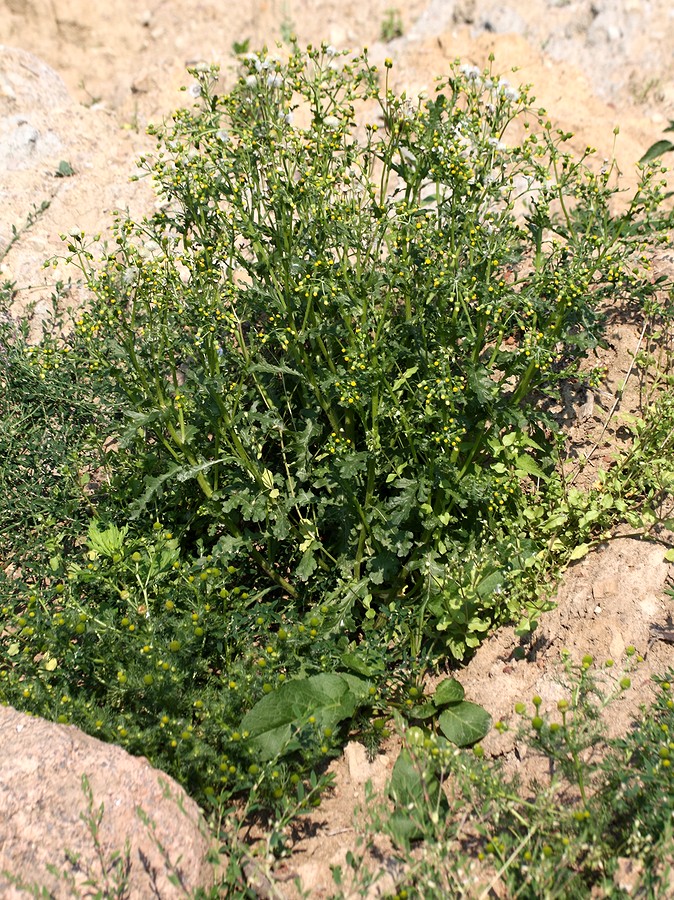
pixel 361 769
pixel 47 818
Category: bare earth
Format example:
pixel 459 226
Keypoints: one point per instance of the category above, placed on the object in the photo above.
pixel 117 66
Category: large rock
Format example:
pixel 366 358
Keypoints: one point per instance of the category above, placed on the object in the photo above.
pixel 47 821
pixel 44 134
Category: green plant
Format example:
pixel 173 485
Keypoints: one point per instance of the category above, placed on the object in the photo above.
pixel 333 340
pixel 659 148
pixel 478 830
pixel 166 657
pixel 391 26
pixel 52 429
pixel 64 170
pixel 17 233
pixel 295 451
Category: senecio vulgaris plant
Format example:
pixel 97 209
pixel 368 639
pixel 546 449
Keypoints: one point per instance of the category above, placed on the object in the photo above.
pixel 334 335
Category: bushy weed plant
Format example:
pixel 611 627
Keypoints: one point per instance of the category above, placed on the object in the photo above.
pixel 334 336
pixel 294 447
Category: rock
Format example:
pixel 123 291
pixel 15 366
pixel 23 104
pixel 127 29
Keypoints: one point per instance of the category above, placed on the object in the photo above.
pixel 26 81
pixel 47 820
pixel 501 20
pixel 362 770
pixel 21 144
pixel 29 93
pixel 629 577
pixel 628 875
pixel 42 133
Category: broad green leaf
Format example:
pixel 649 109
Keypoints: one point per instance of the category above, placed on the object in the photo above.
pixel 275 720
pixel 13 649
pixel 448 691
pixel 656 149
pixel 423 710
pixel 669 555
pixel 479 624
pixel 489 584
pixel 416 789
pixel 555 521
pixel 359 688
pixel 356 664
pixel 465 723
pixel 590 516
pixel 579 552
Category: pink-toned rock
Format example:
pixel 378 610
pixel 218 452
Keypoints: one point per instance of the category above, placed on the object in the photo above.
pixel 363 769
pixel 46 819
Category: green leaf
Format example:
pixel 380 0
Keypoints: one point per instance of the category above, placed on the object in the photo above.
pixel 465 723
pixel 527 465
pixel 358 687
pixel 423 711
pixel 417 790
pixel 579 552
pixel 107 541
pixel 275 721
pixel 354 662
pixel 190 472
pixel 352 464
pixel 154 486
pixel 65 170
pixel 13 649
pixel 307 565
pixel 274 370
pixel 657 149
pixel 404 377
pixel 448 691
pixel 403 829
pixel 669 555
pixel 490 583
pixel 240 47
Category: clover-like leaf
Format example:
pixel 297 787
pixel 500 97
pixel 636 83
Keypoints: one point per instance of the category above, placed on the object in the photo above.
pixel 448 691
pixel 465 723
